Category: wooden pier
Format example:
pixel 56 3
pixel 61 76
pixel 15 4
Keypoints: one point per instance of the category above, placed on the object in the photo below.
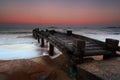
pixel 74 46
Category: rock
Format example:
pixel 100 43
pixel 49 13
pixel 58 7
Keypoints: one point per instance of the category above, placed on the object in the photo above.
pixel 19 76
pixel 39 75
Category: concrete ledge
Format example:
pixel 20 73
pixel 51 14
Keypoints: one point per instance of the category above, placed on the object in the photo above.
pixel 100 70
pixel 85 75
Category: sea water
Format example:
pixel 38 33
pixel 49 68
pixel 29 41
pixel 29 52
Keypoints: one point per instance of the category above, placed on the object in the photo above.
pixel 16 41
pixel 19 46
pixel 100 33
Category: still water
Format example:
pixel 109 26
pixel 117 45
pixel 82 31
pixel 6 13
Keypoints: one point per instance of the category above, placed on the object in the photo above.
pixel 16 41
pixel 20 46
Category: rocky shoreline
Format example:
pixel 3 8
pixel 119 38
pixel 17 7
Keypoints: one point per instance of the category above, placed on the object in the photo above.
pixel 33 69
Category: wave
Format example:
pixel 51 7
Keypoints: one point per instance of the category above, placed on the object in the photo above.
pixel 114 27
pixel 15 32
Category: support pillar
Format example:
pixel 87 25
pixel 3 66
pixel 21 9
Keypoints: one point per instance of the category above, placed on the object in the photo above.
pixel 51 50
pixel 112 46
pixel 80 50
pixel 35 35
pixel 38 39
pixel 69 32
pixel 42 42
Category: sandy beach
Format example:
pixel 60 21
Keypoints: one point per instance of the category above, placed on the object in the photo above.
pixel 33 69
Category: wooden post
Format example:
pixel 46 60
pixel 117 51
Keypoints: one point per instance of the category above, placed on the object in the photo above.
pixel 47 30
pixel 51 50
pixel 35 35
pixel 80 50
pixel 69 32
pixel 111 45
pixel 36 30
pixel 38 39
pixel 42 42
pixel 52 32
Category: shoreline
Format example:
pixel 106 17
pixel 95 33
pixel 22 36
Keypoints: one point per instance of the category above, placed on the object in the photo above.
pixel 44 66
pixel 32 69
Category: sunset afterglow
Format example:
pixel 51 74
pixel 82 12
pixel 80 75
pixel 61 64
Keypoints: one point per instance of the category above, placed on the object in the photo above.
pixel 60 11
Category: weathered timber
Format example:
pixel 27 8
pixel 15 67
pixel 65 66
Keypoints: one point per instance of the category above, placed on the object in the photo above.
pixel 79 50
pixel 69 32
pixel 96 52
pixel 112 46
pixel 35 31
pixel 93 47
pixel 58 43
pixel 92 41
pixel 77 46
pixel 42 42
pixel 51 50
pixel 38 39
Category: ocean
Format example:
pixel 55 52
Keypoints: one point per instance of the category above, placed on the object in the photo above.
pixel 16 41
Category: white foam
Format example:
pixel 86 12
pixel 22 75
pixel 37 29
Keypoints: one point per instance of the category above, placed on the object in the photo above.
pixel 99 35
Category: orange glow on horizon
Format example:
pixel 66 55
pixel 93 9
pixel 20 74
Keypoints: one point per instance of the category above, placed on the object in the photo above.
pixel 59 12
pixel 58 21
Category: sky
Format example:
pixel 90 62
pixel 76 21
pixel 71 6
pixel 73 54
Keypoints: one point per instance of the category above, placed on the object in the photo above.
pixel 60 11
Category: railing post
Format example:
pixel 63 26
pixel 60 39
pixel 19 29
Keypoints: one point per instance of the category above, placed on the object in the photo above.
pixel 42 42
pixel 51 50
pixel 111 45
pixel 52 32
pixel 80 50
pixel 69 32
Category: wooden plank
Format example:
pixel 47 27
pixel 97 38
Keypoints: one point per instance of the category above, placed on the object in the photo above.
pixel 93 48
pixel 96 52
pixel 91 45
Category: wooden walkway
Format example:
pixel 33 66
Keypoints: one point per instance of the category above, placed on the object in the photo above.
pixel 76 47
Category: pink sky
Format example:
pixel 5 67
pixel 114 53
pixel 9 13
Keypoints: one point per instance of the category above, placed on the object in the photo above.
pixel 59 13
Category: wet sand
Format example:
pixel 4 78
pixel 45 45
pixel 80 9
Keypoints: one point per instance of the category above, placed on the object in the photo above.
pixel 32 69
pixel 54 69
